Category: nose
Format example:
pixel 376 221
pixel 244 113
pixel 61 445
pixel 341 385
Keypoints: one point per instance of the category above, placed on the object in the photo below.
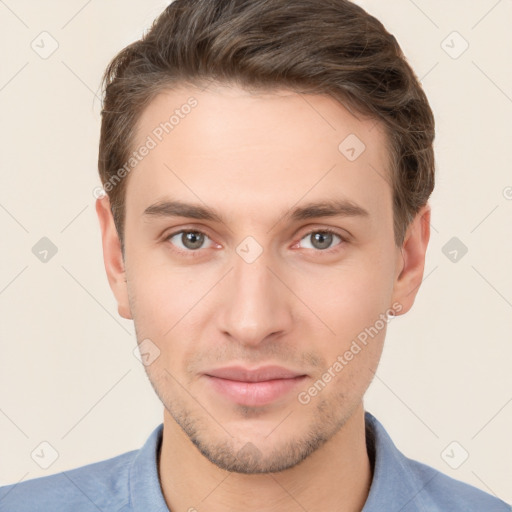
pixel 256 303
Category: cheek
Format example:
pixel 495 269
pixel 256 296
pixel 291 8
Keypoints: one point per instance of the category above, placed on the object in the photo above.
pixel 166 309
pixel 352 301
pixel 350 298
pixel 360 362
pixel 354 352
pixel 162 295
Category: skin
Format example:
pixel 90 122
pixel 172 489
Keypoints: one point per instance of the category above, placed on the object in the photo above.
pixel 254 157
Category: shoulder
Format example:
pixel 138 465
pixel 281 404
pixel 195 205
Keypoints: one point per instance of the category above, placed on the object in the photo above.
pixel 408 485
pixel 98 486
pixel 439 492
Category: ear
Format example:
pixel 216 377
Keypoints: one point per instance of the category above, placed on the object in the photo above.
pixel 112 256
pixel 411 260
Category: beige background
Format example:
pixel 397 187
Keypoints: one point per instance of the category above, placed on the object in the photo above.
pixel 68 375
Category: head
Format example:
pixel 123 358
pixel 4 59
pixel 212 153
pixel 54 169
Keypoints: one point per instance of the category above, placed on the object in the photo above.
pixel 231 132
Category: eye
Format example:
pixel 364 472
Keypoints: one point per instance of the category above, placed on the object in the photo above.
pixel 190 240
pixel 322 239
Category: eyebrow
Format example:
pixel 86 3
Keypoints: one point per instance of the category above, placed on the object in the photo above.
pixel 327 208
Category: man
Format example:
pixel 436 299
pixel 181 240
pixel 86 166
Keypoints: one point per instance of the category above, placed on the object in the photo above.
pixel 267 167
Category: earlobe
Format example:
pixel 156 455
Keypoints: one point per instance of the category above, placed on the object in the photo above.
pixel 113 257
pixel 412 260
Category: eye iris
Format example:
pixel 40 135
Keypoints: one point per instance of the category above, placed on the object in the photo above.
pixel 192 239
pixel 325 240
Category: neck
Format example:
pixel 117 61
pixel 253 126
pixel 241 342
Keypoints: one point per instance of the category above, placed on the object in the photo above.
pixel 337 476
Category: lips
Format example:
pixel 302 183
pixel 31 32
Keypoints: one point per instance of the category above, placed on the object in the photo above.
pixel 256 387
pixel 258 375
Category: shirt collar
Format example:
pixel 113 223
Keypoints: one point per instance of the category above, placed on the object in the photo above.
pixel 145 491
pixel 393 482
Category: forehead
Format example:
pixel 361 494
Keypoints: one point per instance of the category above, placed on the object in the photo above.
pixel 246 153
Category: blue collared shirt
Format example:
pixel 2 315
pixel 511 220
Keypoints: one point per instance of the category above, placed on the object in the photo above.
pixel 129 483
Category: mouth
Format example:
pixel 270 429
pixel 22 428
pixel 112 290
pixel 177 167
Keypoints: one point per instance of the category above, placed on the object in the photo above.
pixel 256 387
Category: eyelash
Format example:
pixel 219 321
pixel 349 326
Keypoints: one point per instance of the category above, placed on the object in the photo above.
pixel 195 253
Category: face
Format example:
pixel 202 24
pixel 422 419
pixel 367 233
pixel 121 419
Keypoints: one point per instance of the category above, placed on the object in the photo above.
pixel 259 234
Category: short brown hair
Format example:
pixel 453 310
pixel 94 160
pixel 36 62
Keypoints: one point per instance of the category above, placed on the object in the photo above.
pixel 330 47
